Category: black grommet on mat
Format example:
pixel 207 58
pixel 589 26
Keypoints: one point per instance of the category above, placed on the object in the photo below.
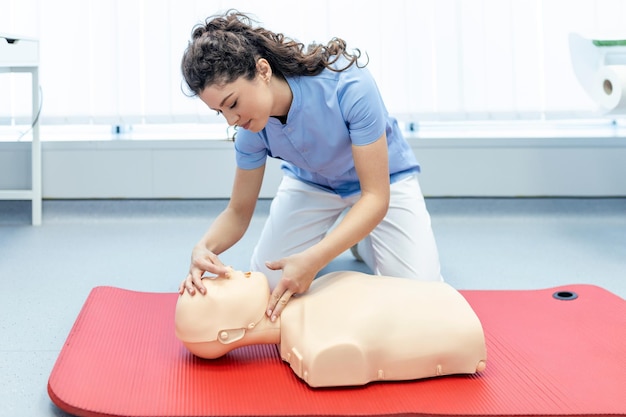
pixel 565 295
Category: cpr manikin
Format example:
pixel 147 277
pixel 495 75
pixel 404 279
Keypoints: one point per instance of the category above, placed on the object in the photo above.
pixel 349 328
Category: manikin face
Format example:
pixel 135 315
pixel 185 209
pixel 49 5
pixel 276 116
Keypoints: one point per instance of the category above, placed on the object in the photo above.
pixel 245 103
pixel 212 324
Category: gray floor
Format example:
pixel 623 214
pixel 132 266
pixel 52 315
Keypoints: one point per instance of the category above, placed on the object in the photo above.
pixel 47 272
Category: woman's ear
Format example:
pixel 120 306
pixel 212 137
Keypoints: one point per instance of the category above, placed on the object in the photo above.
pixel 264 69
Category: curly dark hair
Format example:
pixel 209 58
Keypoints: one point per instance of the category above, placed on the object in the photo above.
pixel 227 47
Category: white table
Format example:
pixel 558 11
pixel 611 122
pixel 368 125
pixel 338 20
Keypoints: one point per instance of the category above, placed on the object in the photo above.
pixel 21 54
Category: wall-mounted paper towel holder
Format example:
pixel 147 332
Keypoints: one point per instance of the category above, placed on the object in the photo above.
pixel 600 66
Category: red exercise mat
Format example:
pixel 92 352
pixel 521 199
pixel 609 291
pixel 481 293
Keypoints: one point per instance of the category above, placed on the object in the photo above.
pixel 546 357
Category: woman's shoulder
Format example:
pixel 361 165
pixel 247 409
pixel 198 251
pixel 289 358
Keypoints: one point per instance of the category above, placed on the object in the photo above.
pixel 340 75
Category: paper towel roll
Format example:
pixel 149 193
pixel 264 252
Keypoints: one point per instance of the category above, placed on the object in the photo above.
pixel 609 88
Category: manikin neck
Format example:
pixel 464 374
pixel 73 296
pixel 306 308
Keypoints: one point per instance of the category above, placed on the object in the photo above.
pixel 264 332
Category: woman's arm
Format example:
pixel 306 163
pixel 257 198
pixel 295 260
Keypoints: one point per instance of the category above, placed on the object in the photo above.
pixel 226 230
pixel 372 167
pixel 299 270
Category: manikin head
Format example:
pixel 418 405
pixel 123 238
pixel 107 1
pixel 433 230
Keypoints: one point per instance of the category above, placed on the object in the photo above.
pixel 215 323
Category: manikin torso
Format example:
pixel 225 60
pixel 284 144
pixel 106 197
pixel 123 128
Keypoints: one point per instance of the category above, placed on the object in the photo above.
pixel 350 328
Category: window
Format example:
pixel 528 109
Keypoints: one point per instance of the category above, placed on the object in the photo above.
pixel 116 62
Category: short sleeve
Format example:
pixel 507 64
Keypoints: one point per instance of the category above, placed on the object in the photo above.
pixel 362 106
pixel 250 149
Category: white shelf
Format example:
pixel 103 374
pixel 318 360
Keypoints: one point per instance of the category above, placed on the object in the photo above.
pixel 20 54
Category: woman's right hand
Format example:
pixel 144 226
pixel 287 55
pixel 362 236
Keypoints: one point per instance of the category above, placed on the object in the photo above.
pixel 202 260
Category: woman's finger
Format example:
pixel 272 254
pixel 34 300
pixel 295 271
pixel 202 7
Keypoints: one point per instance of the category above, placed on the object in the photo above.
pixel 282 302
pixel 278 301
pixel 194 281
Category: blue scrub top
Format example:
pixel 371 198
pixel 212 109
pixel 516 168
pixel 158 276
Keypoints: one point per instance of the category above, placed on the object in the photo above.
pixel 329 113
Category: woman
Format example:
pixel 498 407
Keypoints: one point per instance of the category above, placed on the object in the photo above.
pixel 319 111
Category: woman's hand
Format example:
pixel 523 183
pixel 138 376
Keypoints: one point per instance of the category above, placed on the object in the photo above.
pixel 202 260
pixel 296 279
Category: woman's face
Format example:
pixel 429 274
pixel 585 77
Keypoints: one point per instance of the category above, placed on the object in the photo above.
pixel 245 103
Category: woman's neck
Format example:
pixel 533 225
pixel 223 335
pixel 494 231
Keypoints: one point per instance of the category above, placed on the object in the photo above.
pixel 282 98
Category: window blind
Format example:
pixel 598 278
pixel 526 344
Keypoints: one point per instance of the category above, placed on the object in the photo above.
pixel 117 61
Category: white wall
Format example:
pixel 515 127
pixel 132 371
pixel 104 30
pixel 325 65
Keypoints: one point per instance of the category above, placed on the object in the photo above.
pixel 499 167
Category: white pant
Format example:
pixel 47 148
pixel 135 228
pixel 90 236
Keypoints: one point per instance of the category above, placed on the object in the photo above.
pixel 402 245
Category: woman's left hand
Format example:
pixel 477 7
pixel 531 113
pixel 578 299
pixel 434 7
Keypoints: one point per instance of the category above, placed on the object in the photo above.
pixel 296 279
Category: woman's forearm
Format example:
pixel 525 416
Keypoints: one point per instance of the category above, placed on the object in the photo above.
pixel 227 229
pixel 357 223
